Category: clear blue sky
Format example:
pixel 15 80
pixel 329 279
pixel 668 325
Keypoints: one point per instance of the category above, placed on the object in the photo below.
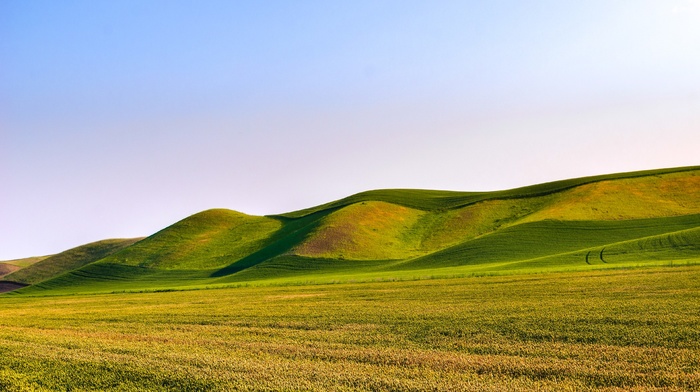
pixel 118 118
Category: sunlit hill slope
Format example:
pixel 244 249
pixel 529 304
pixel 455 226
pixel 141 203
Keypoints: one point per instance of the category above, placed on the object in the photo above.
pixel 612 221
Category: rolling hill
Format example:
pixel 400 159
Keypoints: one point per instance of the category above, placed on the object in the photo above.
pixel 45 268
pixel 9 266
pixel 611 221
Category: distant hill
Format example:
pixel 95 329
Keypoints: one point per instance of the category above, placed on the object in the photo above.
pixel 49 267
pixel 610 221
pixel 6 269
pixel 9 266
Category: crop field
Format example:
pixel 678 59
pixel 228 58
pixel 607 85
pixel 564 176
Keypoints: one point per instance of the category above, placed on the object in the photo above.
pixel 600 330
pixel 582 284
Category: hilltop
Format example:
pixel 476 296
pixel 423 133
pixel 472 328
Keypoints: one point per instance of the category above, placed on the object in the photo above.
pixel 610 221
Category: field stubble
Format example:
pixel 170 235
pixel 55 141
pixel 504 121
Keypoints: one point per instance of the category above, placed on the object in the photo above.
pixel 604 330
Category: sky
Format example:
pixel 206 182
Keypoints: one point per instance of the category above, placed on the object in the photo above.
pixel 119 118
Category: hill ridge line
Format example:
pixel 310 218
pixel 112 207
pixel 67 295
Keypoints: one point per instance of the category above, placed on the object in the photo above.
pixel 399 232
pixel 480 196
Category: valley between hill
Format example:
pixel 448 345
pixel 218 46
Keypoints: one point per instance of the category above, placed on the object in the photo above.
pixel 587 284
pixel 612 221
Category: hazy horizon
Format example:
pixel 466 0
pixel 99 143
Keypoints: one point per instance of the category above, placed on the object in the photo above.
pixel 120 118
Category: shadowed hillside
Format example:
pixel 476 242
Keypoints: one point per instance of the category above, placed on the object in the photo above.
pixel 69 260
pixel 619 220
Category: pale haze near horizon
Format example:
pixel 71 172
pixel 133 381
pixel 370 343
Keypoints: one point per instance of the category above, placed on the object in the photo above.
pixel 120 118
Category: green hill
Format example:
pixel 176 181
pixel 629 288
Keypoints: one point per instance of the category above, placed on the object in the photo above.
pixel 72 259
pixel 211 239
pixel 9 266
pixel 25 262
pixel 632 219
pixel 440 200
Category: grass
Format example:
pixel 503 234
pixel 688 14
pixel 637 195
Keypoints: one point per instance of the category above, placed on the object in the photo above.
pixel 53 266
pixel 25 262
pixel 364 231
pixel 583 284
pixel 548 238
pixel 443 200
pixel 6 269
pixel 671 194
pixel 596 330
pixel 207 240
pixel 403 234
pixel 9 266
pixel 680 245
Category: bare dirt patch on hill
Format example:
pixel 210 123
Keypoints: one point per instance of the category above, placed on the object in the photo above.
pixel 10 286
pixel 6 269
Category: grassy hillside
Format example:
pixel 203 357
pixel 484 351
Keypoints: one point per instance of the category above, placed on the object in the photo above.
pixel 25 262
pixel 656 196
pixel 546 238
pixel 679 246
pixel 403 234
pixel 9 266
pixel 208 240
pixel 365 230
pixel 6 269
pixel 441 200
pixel 72 259
pixel 376 230
pixel 382 230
